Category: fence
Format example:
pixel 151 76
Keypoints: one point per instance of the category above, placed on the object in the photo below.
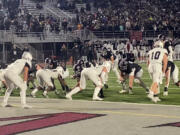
pixel 38 37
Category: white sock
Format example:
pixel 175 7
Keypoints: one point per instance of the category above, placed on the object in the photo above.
pixel 45 92
pixel 34 91
pixel 74 91
pixel 151 92
pixel 96 92
pixel 23 97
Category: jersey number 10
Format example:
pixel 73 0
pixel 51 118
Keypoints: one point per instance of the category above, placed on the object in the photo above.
pixel 155 55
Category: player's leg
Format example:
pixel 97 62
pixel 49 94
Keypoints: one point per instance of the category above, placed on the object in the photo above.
pixel 81 86
pixel 63 84
pixel 93 76
pixel 141 83
pixel 167 76
pixel 10 87
pixel 33 93
pixel 48 85
pixel 175 76
pixel 23 87
pixel 115 69
pixel 156 76
pixel 40 85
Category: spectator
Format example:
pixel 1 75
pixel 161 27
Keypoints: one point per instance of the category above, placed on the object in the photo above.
pixel 64 54
pixel 64 25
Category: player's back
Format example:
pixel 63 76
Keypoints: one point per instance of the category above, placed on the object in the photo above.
pixel 17 67
pixel 156 55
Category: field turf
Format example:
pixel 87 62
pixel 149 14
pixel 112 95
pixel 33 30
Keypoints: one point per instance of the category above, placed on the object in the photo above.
pixel 112 93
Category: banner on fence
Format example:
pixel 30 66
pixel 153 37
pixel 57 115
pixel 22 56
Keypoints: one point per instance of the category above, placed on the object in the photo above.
pixel 137 35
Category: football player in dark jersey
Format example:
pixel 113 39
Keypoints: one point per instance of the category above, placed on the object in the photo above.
pixel 79 66
pixel 171 71
pixel 131 71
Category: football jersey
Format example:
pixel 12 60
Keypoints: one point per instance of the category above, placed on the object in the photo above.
pixel 18 66
pixel 171 65
pixel 127 67
pixel 168 47
pixel 156 55
pixel 79 66
pixel 2 72
pixel 106 64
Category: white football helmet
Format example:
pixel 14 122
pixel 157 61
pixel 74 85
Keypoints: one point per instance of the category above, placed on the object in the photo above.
pixel 27 56
pixel 159 44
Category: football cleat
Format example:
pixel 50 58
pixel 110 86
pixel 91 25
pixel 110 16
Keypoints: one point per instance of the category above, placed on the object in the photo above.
pixel 69 97
pixel 45 95
pixel 157 99
pixel 165 93
pixel 150 96
pixel 6 105
pixel 154 99
pixel 130 92
pixel 97 99
pixel 26 106
pixel 57 92
pixel 123 91
pixel 33 95
pixel 147 92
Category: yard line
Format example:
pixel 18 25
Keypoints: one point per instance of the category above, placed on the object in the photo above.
pixel 119 86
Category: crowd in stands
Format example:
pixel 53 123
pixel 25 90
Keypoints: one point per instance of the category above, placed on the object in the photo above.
pixel 19 19
pixel 124 15
pixel 133 15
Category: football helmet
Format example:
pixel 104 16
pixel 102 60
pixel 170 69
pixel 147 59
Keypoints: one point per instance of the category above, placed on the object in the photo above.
pixel 27 56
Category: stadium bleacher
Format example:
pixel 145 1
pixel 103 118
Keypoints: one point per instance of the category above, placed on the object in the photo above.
pixel 61 21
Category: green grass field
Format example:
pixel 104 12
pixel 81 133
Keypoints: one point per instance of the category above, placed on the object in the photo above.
pixel 111 94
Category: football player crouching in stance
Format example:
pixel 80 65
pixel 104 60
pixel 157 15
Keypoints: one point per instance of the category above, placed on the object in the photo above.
pixel 13 79
pixel 132 71
pixel 60 73
pixel 93 74
pixel 45 79
pixel 172 71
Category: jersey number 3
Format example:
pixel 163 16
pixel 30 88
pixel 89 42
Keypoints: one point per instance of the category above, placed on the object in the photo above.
pixel 155 55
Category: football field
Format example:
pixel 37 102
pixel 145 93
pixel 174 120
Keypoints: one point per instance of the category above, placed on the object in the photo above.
pixel 80 117
pixel 112 92
pixel 118 114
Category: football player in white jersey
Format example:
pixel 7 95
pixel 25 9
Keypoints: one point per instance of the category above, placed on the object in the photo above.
pixel 44 81
pixel 98 75
pixel 13 78
pixel 157 64
pixel 45 76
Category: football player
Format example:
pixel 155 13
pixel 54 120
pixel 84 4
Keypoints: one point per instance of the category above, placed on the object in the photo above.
pixel 93 74
pixel 157 65
pixel 13 78
pixel 60 73
pixel 44 81
pixel 132 71
pixel 46 78
pixel 172 71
